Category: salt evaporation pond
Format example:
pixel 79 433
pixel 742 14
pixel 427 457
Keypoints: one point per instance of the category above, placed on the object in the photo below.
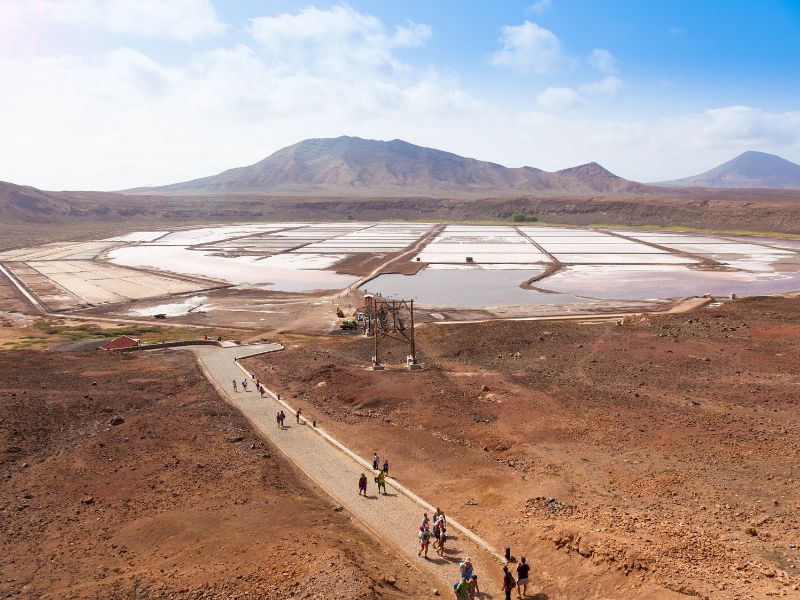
pixel 466 288
pixel 171 309
pixel 620 282
pixel 247 270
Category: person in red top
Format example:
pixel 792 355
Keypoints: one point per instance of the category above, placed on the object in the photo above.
pixel 508 583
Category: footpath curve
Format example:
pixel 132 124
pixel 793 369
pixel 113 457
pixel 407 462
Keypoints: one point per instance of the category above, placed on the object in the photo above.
pixel 393 518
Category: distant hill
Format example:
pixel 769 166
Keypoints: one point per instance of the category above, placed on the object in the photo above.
pixel 355 167
pixel 25 203
pixel 748 170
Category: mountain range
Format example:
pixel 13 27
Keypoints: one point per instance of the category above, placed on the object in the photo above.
pixel 320 174
pixel 352 166
pixel 748 170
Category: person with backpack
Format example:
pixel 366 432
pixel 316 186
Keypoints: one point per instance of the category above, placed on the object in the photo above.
pixel 508 583
pixel 381 481
pixel 522 577
pixel 362 485
pixel 461 588
pixel 424 540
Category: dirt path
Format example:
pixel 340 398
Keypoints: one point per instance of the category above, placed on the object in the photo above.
pixel 394 517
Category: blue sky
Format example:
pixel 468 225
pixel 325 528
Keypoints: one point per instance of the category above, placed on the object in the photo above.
pixel 106 94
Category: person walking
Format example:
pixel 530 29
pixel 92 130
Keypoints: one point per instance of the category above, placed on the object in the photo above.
pixel 442 539
pixel 244 384
pixel 376 462
pixel 235 387
pixel 386 467
pixel 381 481
pixel 283 419
pixel 508 583
pixel 523 569
pixel 461 589
pixel 278 420
pixel 262 390
pixel 424 540
pixel 473 587
pixel 468 568
pixel 297 415
pixel 362 485
pixel 425 520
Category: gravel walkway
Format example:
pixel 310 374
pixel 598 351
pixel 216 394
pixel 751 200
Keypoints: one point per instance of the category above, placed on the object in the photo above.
pixel 394 518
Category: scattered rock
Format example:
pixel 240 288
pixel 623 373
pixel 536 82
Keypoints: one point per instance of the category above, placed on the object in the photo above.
pixel 87 500
pixel 471 502
pixel 338 508
pixel 233 439
pixel 117 420
pixel 751 531
pixel 484 388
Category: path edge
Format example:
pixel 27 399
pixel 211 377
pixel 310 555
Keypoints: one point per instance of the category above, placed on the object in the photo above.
pixel 355 457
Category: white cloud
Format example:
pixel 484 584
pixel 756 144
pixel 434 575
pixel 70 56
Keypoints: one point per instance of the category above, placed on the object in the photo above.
pixel 183 20
pixel 750 126
pixel 531 49
pixel 609 86
pixel 559 98
pixel 340 39
pixel 661 149
pixel 540 7
pixel 602 60
pixel 122 118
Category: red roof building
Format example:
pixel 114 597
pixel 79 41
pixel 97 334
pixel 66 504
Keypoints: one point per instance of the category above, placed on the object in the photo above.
pixel 119 343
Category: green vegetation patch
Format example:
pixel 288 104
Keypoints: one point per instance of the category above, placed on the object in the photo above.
pixel 524 218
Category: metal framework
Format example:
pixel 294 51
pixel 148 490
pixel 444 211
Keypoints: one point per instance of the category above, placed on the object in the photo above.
pixel 393 319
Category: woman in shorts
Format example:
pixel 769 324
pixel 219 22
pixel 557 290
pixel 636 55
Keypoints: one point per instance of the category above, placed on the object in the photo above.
pixel 424 540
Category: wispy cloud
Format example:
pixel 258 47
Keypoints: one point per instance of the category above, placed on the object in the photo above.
pixel 602 60
pixel 184 20
pixel 609 86
pixel 559 98
pixel 540 7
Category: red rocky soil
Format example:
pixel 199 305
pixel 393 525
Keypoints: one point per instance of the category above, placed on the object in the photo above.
pixel 180 499
pixel 658 453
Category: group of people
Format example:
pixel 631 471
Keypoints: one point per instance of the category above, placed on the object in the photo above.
pixel 380 478
pixel 466 588
pixel 259 386
pixel 437 532
pixel 521 582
